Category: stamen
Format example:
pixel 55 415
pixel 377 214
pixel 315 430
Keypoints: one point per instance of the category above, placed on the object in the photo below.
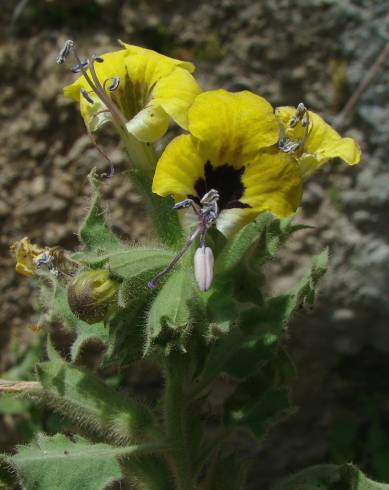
pixel 86 96
pixel 300 112
pixel 94 82
pixel 153 283
pixel 187 203
pixel 106 99
pixel 203 267
pixel 78 67
pixel 111 169
pixel 288 145
pixel 207 215
pixel 65 51
pixel 114 85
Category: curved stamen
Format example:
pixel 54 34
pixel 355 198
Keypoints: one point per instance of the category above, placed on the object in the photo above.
pixel 115 84
pixel 106 99
pixel 77 67
pixel 86 96
pixel 153 283
pixel 288 145
pixel 111 169
pixel 92 80
pixel 207 215
pixel 65 51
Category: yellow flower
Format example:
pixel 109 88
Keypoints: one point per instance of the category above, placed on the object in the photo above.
pixel 232 150
pixel 147 88
pixel 26 254
pixel 322 142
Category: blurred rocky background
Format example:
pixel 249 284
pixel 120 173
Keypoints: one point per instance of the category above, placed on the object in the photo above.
pixel 289 51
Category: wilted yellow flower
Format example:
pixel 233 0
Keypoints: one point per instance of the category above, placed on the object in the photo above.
pixel 312 141
pixel 232 150
pixel 26 254
pixel 146 87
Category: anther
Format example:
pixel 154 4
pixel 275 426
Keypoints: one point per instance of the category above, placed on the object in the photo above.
pixel 80 66
pixel 300 113
pixel 114 84
pixel 203 267
pixel 86 96
pixel 65 51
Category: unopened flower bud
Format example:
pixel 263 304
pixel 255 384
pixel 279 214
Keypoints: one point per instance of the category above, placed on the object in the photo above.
pixel 203 267
pixel 92 295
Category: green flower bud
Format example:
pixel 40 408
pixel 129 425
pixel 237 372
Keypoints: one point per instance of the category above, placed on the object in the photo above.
pixel 92 295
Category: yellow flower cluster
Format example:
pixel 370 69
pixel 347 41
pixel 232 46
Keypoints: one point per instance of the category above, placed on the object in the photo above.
pixel 146 86
pixel 255 158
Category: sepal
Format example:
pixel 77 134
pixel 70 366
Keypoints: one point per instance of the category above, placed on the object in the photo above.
pixel 169 316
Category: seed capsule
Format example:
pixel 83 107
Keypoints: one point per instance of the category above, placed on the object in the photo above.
pixel 92 295
pixel 203 267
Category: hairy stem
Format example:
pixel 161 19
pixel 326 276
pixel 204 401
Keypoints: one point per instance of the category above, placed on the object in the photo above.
pixel 164 217
pixel 176 421
pixel 7 386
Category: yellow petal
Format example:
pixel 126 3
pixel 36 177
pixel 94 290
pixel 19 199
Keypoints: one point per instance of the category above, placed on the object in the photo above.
pixel 95 115
pixel 138 50
pixel 323 142
pixel 25 252
pixel 175 94
pixel 233 124
pixel 179 168
pixel 149 124
pixel 272 183
pixel 230 221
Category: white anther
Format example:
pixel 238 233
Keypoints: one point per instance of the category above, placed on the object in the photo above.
pixel 203 267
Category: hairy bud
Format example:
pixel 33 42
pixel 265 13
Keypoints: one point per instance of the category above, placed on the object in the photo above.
pixel 92 295
pixel 203 267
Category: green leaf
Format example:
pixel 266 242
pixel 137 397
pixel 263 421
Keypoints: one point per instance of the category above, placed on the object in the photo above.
pixel 151 470
pixel 226 474
pixel 95 335
pixel 134 262
pixel 90 403
pixel 352 478
pixel 127 333
pixel 170 307
pixel 164 217
pixel 321 477
pixel 220 353
pixel 330 477
pixel 239 354
pixel 260 240
pixel 95 233
pixel 263 398
pixel 57 462
pixel 240 243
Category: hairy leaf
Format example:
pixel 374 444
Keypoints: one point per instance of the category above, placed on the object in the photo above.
pixel 57 462
pixel 170 307
pixel 95 233
pixel 240 243
pixel 263 398
pixel 226 474
pixel 133 262
pixel 90 403
pixel 261 238
pixel 150 471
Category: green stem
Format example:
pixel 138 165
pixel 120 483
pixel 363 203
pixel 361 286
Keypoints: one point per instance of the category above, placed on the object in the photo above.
pixel 176 420
pixel 165 219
